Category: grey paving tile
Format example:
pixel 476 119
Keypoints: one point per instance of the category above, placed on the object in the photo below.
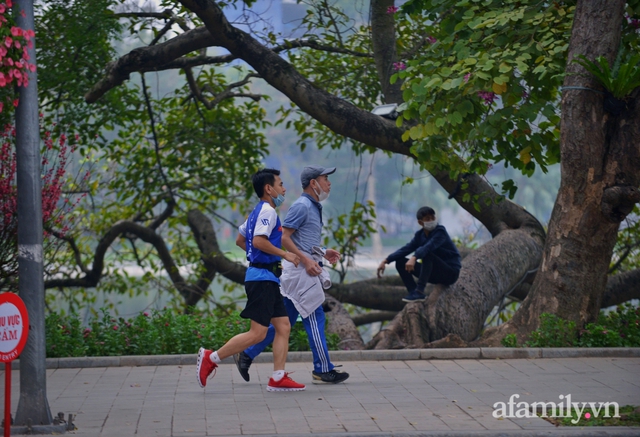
pixel 413 396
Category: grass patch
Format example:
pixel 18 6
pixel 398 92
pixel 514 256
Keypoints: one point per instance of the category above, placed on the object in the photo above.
pixel 629 416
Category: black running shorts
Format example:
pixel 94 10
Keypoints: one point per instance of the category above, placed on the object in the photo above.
pixel 264 302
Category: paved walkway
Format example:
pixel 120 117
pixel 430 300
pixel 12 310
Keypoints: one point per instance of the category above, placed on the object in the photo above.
pixel 412 397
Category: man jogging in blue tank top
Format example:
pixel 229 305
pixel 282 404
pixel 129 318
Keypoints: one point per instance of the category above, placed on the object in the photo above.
pixel 260 236
pixel 302 286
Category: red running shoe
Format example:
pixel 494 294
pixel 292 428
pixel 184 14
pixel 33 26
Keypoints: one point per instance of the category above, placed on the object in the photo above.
pixel 285 384
pixel 205 366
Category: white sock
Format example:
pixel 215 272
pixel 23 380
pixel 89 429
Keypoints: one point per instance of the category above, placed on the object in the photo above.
pixel 278 375
pixel 214 357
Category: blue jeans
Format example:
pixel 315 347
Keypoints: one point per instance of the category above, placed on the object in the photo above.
pixel 314 325
pixel 432 270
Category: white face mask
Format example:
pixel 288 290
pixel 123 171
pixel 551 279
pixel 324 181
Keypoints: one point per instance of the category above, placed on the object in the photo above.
pixel 322 195
pixel 429 226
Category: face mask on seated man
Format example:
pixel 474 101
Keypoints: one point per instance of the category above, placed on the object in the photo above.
pixel 440 259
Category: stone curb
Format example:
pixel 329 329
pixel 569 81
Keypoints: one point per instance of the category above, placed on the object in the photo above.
pixel 495 353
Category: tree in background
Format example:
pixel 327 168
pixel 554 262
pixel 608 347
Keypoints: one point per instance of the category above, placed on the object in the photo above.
pixel 453 127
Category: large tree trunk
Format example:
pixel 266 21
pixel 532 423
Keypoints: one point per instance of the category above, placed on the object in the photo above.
pixel 463 308
pixel 600 173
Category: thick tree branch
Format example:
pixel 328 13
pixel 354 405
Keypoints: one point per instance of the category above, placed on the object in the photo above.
pixel 74 247
pixel 149 59
pixel 621 288
pixel 208 244
pixel 373 316
pixel 147 235
pixel 618 202
pixel 338 115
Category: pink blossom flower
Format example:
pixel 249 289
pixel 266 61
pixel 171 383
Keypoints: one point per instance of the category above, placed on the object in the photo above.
pixel 392 9
pixel 16 31
pixel 488 97
pixel 466 77
pixel 2 9
pixel 16 102
pixel 8 41
pixel 397 66
pixel 9 3
pixel 432 39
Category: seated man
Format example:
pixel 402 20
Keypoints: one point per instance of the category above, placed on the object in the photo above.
pixel 433 246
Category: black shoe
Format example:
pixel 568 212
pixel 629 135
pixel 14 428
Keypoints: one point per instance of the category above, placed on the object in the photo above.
pixel 331 377
pixel 243 362
pixel 415 296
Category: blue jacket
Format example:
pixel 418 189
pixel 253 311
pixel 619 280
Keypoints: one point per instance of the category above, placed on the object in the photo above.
pixel 437 242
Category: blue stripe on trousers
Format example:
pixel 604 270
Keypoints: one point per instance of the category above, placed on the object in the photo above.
pixel 313 325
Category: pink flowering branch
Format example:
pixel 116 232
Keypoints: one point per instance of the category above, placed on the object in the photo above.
pixel 55 205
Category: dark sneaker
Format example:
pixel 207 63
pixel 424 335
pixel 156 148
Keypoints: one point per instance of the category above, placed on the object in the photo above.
pixel 331 377
pixel 243 362
pixel 415 297
pixel 285 384
pixel 205 366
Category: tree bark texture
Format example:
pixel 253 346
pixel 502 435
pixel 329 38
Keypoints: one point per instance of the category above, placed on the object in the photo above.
pixel 600 173
pixel 462 308
pixel 382 33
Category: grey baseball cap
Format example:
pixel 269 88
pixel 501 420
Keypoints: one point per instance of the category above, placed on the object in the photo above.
pixel 312 172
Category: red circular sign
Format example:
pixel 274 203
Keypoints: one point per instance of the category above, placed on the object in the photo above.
pixel 14 326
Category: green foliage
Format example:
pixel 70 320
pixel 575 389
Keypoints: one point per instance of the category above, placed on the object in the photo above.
pixel 347 70
pixel 152 333
pixel 75 40
pixel 193 157
pixel 348 232
pixel 553 332
pixel 509 340
pixel 485 89
pixel 619 85
pixel 626 253
pixel 619 328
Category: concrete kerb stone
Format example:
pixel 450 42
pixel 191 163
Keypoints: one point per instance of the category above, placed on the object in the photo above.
pixel 509 352
pixel 337 356
pixel 473 353
pixel 568 352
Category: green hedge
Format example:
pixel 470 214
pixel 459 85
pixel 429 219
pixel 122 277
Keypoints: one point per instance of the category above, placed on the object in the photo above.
pixel 619 328
pixel 152 333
